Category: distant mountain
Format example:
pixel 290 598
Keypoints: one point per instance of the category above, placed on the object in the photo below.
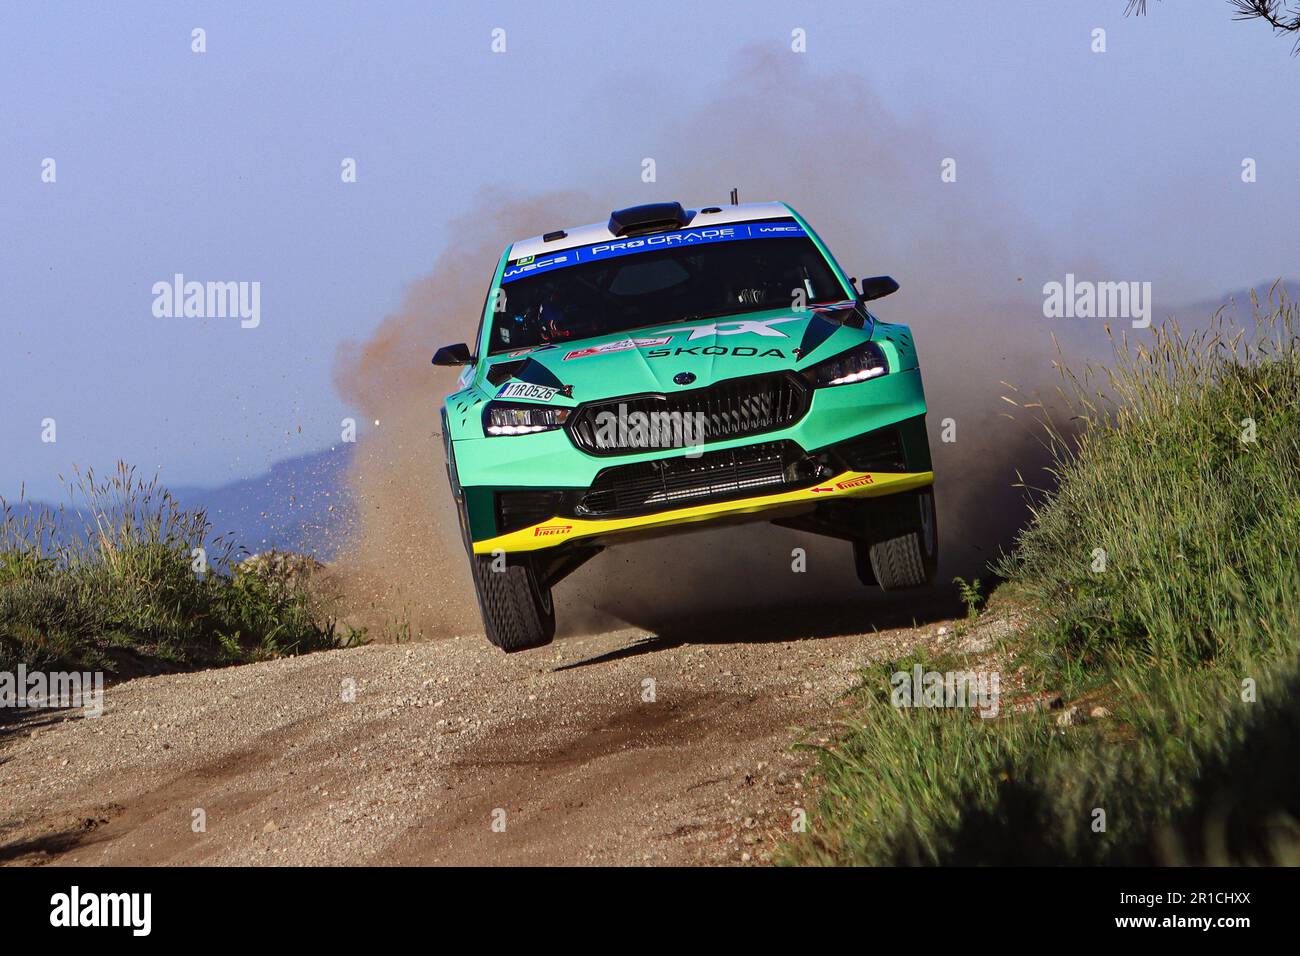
pixel 1235 304
pixel 1086 339
pixel 300 504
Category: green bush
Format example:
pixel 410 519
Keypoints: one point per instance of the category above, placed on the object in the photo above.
pixel 1200 528
pixel 1185 471
pixel 142 579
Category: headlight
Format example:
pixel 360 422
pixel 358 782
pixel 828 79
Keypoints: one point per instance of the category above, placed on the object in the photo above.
pixel 502 419
pixel 856 365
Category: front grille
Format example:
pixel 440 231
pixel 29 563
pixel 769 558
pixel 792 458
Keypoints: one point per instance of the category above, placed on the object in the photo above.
pixel 651 486
pixel 729 409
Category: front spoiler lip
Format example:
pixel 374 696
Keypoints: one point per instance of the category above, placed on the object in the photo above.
pixel 557 531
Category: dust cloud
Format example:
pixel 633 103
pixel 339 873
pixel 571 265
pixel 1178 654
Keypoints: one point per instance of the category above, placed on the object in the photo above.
pixel 869 183
pixel 405 567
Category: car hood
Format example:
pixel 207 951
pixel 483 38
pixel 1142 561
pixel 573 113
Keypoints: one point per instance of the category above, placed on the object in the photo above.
pixel 679 355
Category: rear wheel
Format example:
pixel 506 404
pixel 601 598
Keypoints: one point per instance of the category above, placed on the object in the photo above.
pixel 901 548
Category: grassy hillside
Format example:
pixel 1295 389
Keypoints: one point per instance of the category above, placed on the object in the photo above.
pixel 141 587
pixel 1163 577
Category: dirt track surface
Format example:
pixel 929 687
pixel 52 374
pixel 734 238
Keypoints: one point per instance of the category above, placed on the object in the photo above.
pixel 440 737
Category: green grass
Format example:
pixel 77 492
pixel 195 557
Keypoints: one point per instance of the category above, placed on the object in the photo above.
pixel 129 590
pixel 1197 601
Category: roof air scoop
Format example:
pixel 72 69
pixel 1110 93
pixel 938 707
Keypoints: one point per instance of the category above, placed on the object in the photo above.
pixel 652 217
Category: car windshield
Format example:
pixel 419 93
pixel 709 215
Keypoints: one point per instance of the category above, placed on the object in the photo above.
pixel 659 279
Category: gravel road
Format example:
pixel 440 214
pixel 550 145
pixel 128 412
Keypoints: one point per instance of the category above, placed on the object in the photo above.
pixel 622 748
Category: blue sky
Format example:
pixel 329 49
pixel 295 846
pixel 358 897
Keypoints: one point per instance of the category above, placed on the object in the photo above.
pixel 225 166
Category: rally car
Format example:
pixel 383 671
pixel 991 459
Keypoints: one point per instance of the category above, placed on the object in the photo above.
pixel 672 369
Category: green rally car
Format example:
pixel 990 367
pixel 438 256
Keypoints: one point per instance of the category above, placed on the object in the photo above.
pixel 674 368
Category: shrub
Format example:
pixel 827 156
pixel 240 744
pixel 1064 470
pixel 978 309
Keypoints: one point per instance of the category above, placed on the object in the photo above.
pixel 1163 573
pixel 126 572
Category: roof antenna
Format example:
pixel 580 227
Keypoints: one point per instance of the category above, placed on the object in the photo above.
pixel 735 197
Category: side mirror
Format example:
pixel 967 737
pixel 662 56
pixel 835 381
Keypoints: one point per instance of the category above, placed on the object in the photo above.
pixel 877 287
pixel 457 354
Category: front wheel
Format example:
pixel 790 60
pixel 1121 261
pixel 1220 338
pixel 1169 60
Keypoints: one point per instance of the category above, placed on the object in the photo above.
pixel 518 612
pixel 901 547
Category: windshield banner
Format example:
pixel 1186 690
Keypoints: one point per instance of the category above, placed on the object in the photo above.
pixel 532 265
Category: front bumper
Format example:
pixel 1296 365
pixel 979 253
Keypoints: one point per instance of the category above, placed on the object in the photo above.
pixel 490 468
pixel 558 531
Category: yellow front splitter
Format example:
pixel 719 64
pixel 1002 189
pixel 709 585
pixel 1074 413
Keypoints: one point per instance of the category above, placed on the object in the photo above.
pixel 556 531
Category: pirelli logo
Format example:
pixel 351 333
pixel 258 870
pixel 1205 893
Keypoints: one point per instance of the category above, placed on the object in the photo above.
pixel 546 531
pixel 857 482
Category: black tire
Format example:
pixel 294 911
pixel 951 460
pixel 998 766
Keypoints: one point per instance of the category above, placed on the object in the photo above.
pixel 901 549
pixel 517 611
